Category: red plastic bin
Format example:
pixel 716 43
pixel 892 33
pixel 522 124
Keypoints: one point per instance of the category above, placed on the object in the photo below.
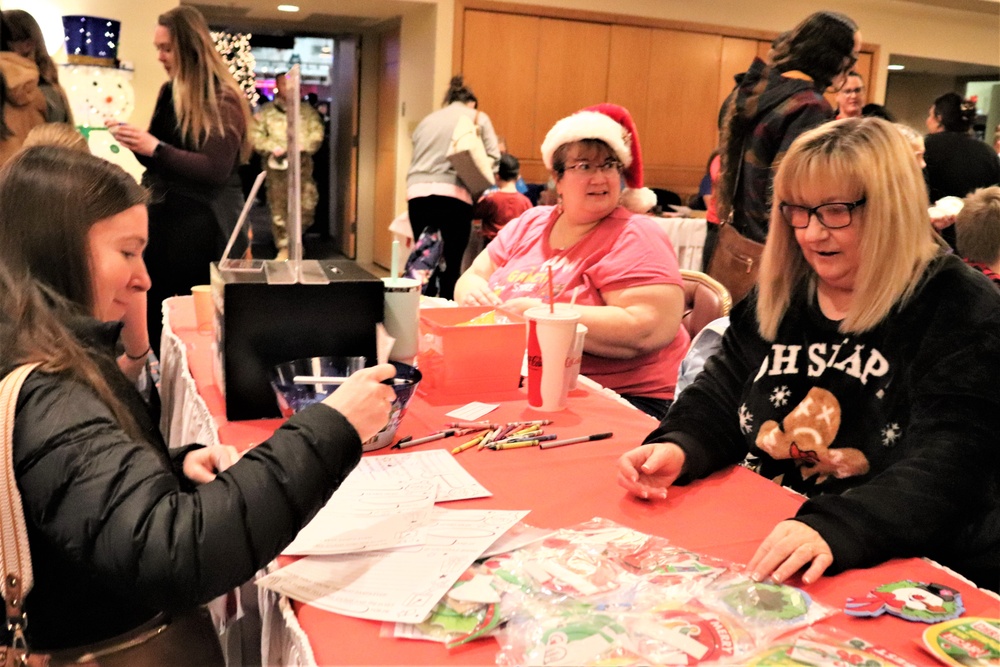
pixel 470 359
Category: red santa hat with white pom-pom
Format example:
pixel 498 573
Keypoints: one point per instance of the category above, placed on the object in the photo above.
pixel 613 125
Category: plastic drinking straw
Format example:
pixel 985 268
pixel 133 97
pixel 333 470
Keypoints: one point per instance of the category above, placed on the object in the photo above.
pixel 552 301
pixel 572 299
pixel 395 261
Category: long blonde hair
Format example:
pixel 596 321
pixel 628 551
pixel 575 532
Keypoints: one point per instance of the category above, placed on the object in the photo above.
pixel 201 80
pixel 895 234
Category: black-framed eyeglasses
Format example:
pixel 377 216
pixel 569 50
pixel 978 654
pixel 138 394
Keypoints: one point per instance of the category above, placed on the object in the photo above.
pixel 587 169
pixel 832 215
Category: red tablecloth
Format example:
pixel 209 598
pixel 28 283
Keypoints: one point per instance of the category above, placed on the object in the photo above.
pixel 725 515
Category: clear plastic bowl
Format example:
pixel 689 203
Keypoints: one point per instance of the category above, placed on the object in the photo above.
pixel 293 396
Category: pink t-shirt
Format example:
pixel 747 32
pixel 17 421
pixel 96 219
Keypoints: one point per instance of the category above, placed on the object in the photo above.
pixel 625 250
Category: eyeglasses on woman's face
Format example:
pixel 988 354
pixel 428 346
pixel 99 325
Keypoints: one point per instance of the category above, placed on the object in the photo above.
pixel 832 215
pixel 589 168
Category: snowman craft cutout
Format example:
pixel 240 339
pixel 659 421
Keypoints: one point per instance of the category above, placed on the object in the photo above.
pixel 97 88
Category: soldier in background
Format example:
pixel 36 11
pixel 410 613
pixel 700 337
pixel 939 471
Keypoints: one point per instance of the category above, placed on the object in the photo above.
pixel 270 139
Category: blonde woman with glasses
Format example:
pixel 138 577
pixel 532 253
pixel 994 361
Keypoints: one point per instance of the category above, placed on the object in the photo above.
pixel 196 141
pixel 862 374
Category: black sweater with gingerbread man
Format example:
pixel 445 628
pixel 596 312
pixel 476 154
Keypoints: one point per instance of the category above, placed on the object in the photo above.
pixel 893 433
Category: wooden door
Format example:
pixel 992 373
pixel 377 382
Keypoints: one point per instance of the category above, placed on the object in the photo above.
pixel 344 144
pixel 499 63
pixel 385 146
pixel 681 107
pixel 628 69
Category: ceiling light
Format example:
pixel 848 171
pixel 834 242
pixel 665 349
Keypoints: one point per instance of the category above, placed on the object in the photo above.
pixel 896 68
pixel 288 8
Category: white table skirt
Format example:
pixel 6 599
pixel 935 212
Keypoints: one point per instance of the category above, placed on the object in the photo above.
pixel 687 235
pixel 185 419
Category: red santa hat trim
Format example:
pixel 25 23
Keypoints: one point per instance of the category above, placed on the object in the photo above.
pixel 613 125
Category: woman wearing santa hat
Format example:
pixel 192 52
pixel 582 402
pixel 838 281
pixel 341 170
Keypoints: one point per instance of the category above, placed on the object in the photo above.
pixel 599 246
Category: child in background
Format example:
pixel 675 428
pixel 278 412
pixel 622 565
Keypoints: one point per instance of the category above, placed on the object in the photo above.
pixel 499 207
pixel 61 135
pixel 977 232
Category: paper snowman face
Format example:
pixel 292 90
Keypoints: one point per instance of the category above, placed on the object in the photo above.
pixel 98 93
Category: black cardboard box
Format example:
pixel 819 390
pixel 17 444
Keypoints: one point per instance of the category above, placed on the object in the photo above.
pixel 259 325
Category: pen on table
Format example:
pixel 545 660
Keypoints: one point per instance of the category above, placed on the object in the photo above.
pixel 468 445
pixel 419 441
pixel 573 441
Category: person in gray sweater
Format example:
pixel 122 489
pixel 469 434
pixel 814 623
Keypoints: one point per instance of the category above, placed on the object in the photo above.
pixel 436 197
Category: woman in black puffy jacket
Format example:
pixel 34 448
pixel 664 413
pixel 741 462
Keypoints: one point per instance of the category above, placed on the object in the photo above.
pixel 122 530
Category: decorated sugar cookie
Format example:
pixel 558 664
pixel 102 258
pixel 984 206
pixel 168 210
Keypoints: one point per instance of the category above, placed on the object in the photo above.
pixel 965 642
pixel 911 600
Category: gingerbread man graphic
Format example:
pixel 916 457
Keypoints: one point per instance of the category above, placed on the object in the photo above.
pixel 805 436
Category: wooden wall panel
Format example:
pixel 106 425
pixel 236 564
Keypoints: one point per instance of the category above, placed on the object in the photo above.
pixel 737 54
pixel 385 146
pixel 499 62
pixel 681 132
pixel 572 71
pixel 628 71
pixel 532 66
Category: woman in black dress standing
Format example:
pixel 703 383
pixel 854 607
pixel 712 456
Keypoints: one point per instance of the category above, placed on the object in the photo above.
pixel 196 141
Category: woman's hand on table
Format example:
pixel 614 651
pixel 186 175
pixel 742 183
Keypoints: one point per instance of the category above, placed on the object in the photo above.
pixel 647 471
pixel 791 546
pixel 203 464
pixel 480 295
pixel 520 304
pixel 131 137
pixel 364 400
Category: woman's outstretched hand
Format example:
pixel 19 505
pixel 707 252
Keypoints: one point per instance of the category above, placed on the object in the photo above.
pixel 647 471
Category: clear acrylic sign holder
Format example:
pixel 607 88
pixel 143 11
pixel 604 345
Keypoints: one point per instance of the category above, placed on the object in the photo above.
pixel 295 270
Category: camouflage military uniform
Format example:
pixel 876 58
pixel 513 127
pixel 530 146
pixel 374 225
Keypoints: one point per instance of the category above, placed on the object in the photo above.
pixel 271 132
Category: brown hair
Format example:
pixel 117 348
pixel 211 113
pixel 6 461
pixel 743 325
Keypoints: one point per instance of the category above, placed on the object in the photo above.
pixel 44 253
pixel 201 79
pixel 62 135
pixel 22 26
pixel 459 92
pixel 977 226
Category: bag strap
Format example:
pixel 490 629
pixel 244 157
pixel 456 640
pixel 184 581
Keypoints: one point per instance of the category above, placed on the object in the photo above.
pixel 736 186
pixel 16 578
